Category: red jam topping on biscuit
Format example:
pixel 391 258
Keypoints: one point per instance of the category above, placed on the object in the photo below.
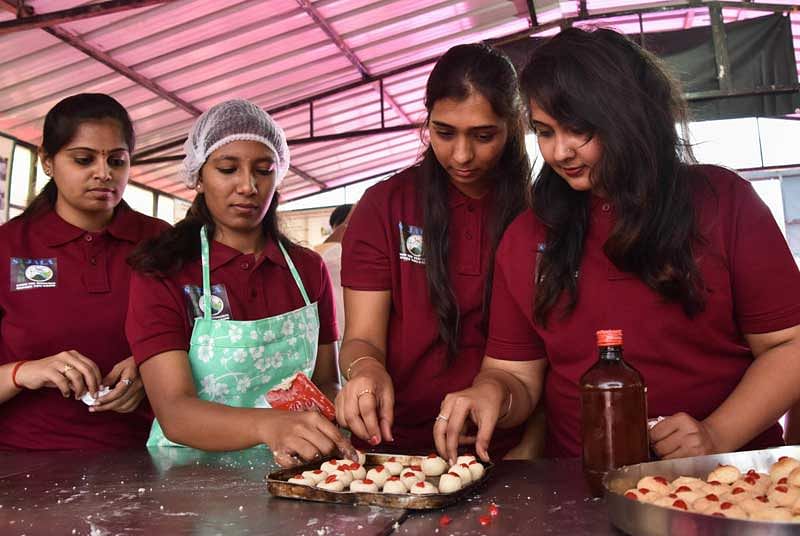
pixel 660 480
pixel 632 495
pixel 367 481
pixel 737 490
pixel 330 479
pixel 680 504
pixel 683 488
pixel 712 497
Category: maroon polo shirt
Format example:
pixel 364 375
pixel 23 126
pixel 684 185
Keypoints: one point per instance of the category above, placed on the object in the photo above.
pixel 162 310
pixel 64 288
pixel 688 364
pixel 381 252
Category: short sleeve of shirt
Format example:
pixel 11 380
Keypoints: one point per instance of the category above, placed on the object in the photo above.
pixel 156 320
pixel 765 278
pixel 366 247
pixel 511 333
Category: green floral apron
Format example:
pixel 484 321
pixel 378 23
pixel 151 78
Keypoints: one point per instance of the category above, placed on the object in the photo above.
pixel 236 362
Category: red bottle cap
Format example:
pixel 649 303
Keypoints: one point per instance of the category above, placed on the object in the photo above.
pixel 609 337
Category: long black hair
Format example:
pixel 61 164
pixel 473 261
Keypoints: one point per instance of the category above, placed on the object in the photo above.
pixel 462 71
pixel 60 126
pixel 603 84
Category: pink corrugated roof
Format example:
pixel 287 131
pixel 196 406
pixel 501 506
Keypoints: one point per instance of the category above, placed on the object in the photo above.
pixel 276 52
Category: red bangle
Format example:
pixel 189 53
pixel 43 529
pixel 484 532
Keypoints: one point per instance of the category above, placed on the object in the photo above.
pixel 14 373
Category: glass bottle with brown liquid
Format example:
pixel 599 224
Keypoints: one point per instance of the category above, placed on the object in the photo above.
pixel 613 413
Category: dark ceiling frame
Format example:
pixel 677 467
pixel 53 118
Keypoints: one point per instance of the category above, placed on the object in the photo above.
pixel 718 34
pixel 29 22
pixel 23 11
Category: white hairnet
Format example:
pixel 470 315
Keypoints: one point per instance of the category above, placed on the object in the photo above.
pixel 230 121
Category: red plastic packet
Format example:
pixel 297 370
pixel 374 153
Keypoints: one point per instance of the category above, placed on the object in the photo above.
pixel 298 393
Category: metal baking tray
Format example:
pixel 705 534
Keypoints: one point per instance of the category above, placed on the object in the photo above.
pixel 278 486
pixel 637 518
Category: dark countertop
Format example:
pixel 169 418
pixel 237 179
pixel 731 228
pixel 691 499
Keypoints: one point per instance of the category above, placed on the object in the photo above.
pixel 182 491
pixel 175 491
pixel 541 497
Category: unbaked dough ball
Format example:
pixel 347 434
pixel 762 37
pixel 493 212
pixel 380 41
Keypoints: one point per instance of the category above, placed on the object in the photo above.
pixel 434 465
pixel 423 488
pixel 449 483
pixel 394 485
pixel 366 485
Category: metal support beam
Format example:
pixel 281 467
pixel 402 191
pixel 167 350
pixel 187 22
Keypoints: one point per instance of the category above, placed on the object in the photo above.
pixel 582 11
pixel 724 93
pixel 30 22
pixel 334 36
pixel 720 48
pixel 305 101
pixel 532 13
pixel 139 159
pixel 641 31
pixel 308 178
pixel 120 68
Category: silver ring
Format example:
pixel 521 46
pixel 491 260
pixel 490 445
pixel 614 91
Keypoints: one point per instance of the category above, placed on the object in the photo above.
pixel 127 381
pixel 441 417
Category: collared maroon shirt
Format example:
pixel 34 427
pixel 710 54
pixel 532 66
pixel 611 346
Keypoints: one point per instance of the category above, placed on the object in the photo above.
pixel 688 364
pixel 64 288
pixel 161 317
pixel 380 252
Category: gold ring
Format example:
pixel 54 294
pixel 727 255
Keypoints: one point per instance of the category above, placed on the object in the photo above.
pixel 364 392
pixel 441 417
pixel 66 369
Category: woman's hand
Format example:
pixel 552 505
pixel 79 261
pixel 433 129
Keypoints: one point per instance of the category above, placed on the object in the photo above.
pixel 366 403
pixel 481 404
pixel 70 372
pixel 127 392
pixel 301 437
pixel 680 436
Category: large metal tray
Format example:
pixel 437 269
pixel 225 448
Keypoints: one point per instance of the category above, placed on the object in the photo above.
pixel 278 486
pixel 639 518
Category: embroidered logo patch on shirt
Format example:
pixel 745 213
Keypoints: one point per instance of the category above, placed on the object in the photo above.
pixel 33 273
pixel 411 243
pixel 220 306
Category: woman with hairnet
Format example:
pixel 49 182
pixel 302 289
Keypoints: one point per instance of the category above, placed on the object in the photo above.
pixel 224 307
